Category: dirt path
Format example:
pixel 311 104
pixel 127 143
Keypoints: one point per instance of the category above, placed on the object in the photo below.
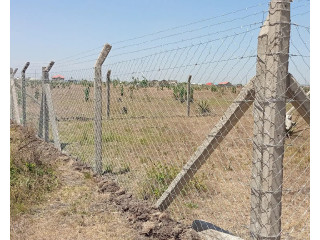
pixel 88 207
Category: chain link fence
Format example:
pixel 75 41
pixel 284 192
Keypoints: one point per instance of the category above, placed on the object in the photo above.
pixel 194 119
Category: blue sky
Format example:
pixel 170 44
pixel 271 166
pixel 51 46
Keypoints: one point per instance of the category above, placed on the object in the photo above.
pixel 55 30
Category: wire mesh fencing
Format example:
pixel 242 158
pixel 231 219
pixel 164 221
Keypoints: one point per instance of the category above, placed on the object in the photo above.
pixel 196 105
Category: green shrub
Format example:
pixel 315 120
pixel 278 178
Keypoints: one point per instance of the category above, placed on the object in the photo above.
pixel 203 107
pixel 86 94
pixel 214 88
pixel 176 92
pixel 180 93
pixel 234 90
pixel 36 94
pixel 121 90
pixel 144 83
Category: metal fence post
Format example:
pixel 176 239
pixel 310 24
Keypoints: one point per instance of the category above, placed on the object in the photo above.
pixel 269 122
pixel 98 108
pixel 23 89
pixel 188 95
pixel 108 94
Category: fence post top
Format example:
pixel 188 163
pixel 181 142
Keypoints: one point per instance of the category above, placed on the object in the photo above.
pixel 108 73
pixel 11 71
pixel 265 27
pixel 25 67
pixel 103 55
pixel 48 68
pixel 281 1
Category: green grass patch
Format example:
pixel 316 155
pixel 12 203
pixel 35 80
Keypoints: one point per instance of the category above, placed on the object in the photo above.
pixel 158 178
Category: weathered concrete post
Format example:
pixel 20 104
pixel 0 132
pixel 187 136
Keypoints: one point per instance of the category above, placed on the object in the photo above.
pixel 23 89
pixel 188 95
pixel 11 98
pixel 49 103
pixel 40 128
pixel 98 108
pixel 45 112
pixel 14 99
pixel 108 94
pixel 269 122
pixel 14 72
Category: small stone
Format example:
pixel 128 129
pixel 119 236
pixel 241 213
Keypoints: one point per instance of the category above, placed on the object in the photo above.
pixel 164 216
pixel 120 192
pixel 177 230
pixel 147 227
pixel 109 187
pixel 77 168
pixel 100 184
pixel 155 216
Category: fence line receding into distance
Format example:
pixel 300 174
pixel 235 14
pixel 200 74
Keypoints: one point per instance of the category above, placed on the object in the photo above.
pixel 207 120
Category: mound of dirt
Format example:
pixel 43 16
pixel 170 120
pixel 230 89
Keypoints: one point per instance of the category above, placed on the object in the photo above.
pixel 146 219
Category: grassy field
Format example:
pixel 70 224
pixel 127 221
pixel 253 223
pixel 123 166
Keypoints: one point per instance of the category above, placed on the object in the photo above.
pixel 149 138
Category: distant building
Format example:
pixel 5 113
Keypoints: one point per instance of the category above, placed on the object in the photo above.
pixel 58 77
pixel 225 84
pixel 209 84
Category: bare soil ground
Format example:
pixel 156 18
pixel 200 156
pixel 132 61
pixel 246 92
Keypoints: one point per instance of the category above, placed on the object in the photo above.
pixel 88 207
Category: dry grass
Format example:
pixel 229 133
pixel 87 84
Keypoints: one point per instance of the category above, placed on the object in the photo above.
pixel 30 178
pixel 74 210
pixel 155 130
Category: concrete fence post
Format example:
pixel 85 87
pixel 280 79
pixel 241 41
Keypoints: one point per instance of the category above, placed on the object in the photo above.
pixel 14 113
pixel 98 108
pixel 269 122
pixel 108 94
pixel 23 89
pixel 51 112
pixel 45 112
pixel 40 128
pixel 14 72
pixel 188 95
pixel 11 98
